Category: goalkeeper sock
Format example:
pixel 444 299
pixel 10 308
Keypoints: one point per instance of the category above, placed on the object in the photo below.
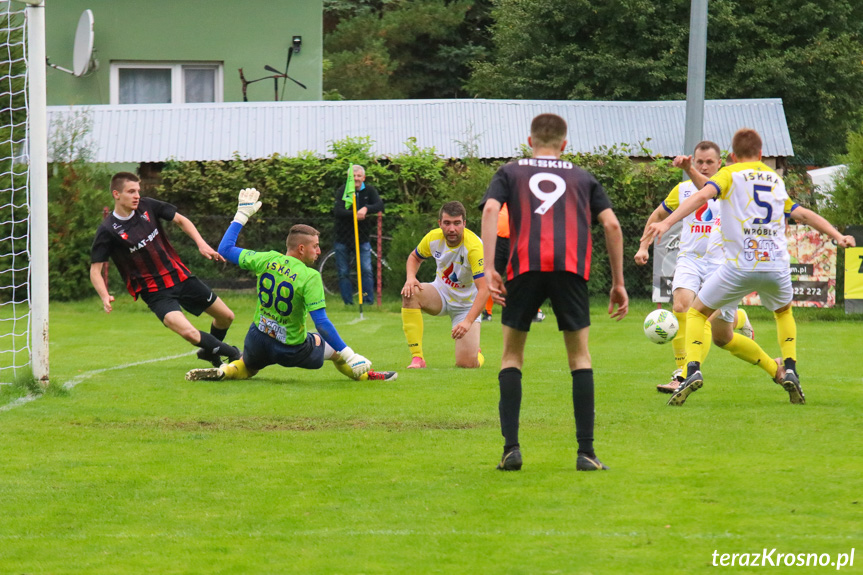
pixel 786 332
pixel 236 370
pixel 412 324
pixel 489 304
pixel 678 344
pixel 343 366
pixel 213 345
pixel 749 351
pixel 218 332
pixel 583 409
pixel 509 380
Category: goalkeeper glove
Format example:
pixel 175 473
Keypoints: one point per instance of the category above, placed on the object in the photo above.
pixel 358 364
pixel 247 205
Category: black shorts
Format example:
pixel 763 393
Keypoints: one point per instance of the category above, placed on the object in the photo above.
pixel 526 292
pixel 192 295
pixel 261 350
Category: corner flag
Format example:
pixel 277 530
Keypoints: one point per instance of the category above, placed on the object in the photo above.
pixel 348 196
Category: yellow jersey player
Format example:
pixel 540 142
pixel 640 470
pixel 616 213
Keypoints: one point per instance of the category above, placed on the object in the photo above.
pixel 459 288
pixel 700 253
pixel 753 204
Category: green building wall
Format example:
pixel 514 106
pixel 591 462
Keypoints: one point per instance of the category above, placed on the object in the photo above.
pixel 248 34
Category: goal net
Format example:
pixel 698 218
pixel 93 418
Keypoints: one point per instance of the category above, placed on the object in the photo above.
pixel 19 316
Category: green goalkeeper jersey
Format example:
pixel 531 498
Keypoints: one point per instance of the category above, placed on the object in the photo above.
pixel 287 291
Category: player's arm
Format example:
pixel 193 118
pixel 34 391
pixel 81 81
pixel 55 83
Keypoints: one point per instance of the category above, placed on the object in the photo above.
pixel 247 204
pixel 642 255
pixel 685 164
pixel 618 298
pixel 810 218
pixel 461 328
pixel 98 281
pixel 327 330
pixel 692 203
pixel 412 283
pixel 190 230
pixel 488 232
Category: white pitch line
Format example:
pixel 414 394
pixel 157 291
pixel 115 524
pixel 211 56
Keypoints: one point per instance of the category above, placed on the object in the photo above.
pixel 86 375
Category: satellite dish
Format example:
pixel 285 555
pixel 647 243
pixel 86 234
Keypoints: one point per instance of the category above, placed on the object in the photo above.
pixel 82 56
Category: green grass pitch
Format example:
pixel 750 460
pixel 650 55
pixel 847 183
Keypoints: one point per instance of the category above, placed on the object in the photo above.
pixel 135 470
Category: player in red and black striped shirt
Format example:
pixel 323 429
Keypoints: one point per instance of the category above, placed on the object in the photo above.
pixel 132 236
pixel 552 204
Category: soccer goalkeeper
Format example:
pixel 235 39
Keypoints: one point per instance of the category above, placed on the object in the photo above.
pixel 289 289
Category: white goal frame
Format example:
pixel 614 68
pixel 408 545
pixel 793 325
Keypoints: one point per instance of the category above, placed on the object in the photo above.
pixel 37 127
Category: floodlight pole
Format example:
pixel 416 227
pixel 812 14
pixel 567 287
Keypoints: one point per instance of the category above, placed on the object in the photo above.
pixel 37 120
pixel 695 77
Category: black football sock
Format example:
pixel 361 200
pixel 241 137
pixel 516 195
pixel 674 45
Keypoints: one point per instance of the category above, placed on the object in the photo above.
pixel 692 367
pixel 218 332
pixel 212 345
pixel 790 365
pixel 509 407
pixel 583 409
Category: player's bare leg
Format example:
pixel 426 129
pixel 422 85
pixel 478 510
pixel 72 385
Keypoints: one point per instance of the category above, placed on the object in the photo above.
pixel 467 348
pixel 222 315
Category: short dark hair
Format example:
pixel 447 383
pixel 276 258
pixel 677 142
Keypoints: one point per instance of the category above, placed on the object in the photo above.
pixel 548 131
pixel 453 209
pixel 295 235
pixel 746 143
pixel 120 178
pixel 708 145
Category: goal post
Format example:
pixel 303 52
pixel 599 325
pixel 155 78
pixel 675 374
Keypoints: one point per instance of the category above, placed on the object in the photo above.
pixel 23 192
pixel 37 128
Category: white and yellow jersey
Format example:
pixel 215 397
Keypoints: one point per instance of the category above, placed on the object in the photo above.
pixel 754 205
pixel 457 267
pixel 696 228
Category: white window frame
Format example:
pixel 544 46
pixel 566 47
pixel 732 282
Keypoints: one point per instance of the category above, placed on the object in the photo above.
pixel 178 87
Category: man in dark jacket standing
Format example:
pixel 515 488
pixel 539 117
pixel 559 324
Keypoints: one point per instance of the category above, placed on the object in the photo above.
pixel 368 202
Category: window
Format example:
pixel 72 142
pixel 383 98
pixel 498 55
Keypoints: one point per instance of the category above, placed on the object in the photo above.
pixel 165 83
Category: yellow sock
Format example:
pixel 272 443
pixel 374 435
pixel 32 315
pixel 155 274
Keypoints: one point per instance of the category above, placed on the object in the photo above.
pixel 343 367
pixel 480 358
pixel 695 321
pixel 708 340
pixel 412 324
pixel 236 370
pixel 749 351
pixel 678 344
pixel 786 331
pixel 741 319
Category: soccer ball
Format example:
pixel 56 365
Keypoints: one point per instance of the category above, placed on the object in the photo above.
pixel 660 326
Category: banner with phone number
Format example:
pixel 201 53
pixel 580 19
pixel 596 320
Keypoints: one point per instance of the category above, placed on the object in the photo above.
pixel 813 268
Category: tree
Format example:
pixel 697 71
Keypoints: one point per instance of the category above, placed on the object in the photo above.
pixel 803 51
pixel 381 49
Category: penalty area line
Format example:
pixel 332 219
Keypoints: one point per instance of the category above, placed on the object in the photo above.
pixel 87 375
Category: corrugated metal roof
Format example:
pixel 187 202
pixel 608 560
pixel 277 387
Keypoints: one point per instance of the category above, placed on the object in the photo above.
pixel 492 128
